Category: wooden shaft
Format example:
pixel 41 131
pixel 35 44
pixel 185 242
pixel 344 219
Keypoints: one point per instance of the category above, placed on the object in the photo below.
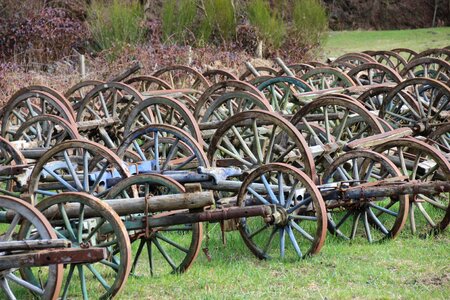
pixel 33 245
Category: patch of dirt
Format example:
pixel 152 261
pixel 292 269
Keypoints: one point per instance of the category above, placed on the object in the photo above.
pixel 436 280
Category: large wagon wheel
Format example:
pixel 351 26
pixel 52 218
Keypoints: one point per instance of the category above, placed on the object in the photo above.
pixel 76 166
pixel 343 120
pixel 111 101
pixel 43 132
pixel 180 77
pixel 377 218
pixel 170 249
pixel 432 98
pixel 407 54
pixel 262 71
pixel 165 147
pixel 428 67
pixel 215 75
pixel 301 230
pixel 284 93
pixel 297 69
pixel 49 285
pixel 443 54
pixel 219 89
pixel 89 222
pixel 30 104
pixel 420 161
pixel 389 58
pixel 253 138
pixel 165 110
pixel 325 78
pixel 373 73
pixel 76 93
pixel 147 83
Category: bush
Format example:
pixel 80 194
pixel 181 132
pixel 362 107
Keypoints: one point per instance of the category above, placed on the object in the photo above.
pixel 115 24
pixel 310 22
pixel 270 26
pixel 177 17
pixel 219 17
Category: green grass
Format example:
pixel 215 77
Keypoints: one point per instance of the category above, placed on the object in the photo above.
pixel 406 268
pixel 341 42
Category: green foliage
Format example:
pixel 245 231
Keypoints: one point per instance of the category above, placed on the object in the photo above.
pixel 177 18
pixel 116 23
pixel 269 24
pixel 219 16
pixel 309 21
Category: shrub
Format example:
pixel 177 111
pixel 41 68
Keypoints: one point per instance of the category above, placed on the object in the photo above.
pixel 115 24
pixel 270 26
pixel 177 17
pixel 219 17
pixel 310 22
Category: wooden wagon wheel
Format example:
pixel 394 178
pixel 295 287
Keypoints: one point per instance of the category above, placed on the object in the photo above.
pixel 376 219
pixel 215 75
pixel 111 102
pixel 30 104
pixel 76 166
pixel 322 78
pixel 170 249
pixel 428 67
pixel 76 93
pixel 165 148
pixel 432 98
pixel 348 61
pixel 284 93
pixel 420 161
pixel 297 69
pixel 146 83
pixel 253 138
pixel 263 71
pixel 373 73
pixel 407 54
pixel 440 139
pixel 11 283
pixel 165 110
pixel 180 77
pixel 389 58
pixel 87 222
pixel 302 228
pixel 443 54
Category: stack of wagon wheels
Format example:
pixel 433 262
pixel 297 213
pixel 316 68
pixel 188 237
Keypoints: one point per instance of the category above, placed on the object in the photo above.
pixel 359 147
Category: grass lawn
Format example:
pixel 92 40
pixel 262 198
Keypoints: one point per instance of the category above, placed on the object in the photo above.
pixel 341 42
pixel 407 268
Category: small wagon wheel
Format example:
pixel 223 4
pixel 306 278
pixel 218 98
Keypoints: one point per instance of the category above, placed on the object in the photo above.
pixel 443 54
pixel 407 54
pixel 374 73
pixel 428 67
pixel 76 166
pixel 215 75
pixel 170 249
pixel 88 222
pixel 284 93
pixel 27 105
pixel 145 83
pixel 440 139
pixel 301 230
pixel 420 161
pixel 43 132
pixel 24 214
pixel 372 99
pixel 165 110
pixel 110 101
pixel 248 75
pixel 322 78
pixel 388 58
pixel 166 147
pixel 377 218
pixel 348 61
pixel 76 93
pixel 253 138
pixel 180 77
pixel 432 98
pixel 343 120
pixel 297 69
pixel 220 88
